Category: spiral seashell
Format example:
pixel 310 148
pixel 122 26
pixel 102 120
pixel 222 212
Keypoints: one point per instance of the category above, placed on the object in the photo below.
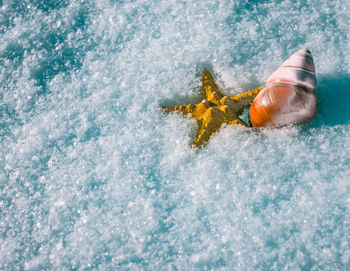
pixel 289 95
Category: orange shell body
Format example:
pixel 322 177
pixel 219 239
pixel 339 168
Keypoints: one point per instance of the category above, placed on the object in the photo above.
pixel 282 104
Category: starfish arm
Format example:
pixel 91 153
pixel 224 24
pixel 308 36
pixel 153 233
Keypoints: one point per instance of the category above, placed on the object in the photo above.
pixel 204 133
pixel 210 89
pixel 237 122
pixel 196 110
pixel 210 123
pixel 245 99
pixel 184 109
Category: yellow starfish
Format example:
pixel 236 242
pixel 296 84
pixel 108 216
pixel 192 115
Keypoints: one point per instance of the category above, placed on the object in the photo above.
pixel 215 109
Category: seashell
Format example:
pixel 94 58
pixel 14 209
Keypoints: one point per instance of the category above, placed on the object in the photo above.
pixel 289 95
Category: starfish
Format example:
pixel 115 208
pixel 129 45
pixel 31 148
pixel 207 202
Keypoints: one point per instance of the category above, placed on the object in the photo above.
pixel 215 109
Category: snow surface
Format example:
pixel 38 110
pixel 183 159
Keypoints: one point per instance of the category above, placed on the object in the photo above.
pixel 94 177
